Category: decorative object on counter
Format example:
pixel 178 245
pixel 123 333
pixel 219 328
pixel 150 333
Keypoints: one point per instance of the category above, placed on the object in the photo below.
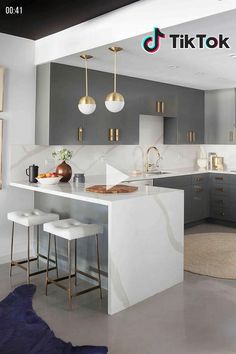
pixel 1 87
pixel 137 173
pixel 80 133
pixel 63 169
pixel 32 172
pixel 115 101
pixel 218 163
pixel 49 181
pixel 202 160
pixel 202 164
pixel 79 178
pixel 87 104
pixel 119 188
pixel 210 156
pixel 1 136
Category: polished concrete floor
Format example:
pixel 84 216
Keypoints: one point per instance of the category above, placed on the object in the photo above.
pixel 195 317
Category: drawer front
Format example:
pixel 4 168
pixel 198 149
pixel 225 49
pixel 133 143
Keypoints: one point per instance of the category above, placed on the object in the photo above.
pixel 232 179
pixel 220 201
pixel 217 178
pixel 220 190
pixel 173 182
pixel 222 213
pixel 200 202
pixel 200 178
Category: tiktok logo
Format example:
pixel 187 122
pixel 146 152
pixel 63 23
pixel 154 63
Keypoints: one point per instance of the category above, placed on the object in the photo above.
pixel 151 44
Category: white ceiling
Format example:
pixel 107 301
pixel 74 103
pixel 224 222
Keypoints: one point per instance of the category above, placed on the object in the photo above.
pixel 199 68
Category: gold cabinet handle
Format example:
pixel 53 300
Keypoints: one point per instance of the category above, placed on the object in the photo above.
pixel 80 133
pixel 194 136
pixel 111 134
pixel 117 132
pixel 163 107
pixel 198 179
pixel 199 190
pixel 219 178
pixel 219 190
pixel 231 135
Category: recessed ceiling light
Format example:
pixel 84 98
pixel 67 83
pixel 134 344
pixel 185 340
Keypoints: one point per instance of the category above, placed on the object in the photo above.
pixel 233 55
pixel 173 66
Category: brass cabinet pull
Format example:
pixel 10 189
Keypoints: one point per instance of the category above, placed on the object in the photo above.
pixel 111 134
pixel 194 136
pixel 199 179
pixel 117 134
pixel 219 178
pixel 231 135
pixel 80 133
pixel 190 136
pixel 162 107
pixel 199 190
pixel 219 189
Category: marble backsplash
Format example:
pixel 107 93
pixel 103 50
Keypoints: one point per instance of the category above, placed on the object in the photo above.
pixel 92 160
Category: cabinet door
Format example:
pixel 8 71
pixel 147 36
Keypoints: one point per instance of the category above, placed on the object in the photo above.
pixel 190 116
pixel 220 117
pixel 200 201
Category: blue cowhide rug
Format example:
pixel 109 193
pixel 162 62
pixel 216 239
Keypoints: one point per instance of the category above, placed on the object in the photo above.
pixel 23 332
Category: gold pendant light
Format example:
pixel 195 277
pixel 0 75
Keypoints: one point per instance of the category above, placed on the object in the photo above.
pixel 115 101
pixel 87 104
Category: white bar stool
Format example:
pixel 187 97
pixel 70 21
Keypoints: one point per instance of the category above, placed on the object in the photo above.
pixel 28 219
pixel 71 230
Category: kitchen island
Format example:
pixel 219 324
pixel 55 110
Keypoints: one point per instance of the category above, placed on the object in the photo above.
pixel 145 235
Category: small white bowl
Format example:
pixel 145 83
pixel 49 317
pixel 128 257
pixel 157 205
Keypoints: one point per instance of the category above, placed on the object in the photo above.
pixel 50 180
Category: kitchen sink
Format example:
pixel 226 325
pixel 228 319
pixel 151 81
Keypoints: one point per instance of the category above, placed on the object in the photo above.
pixel 157 173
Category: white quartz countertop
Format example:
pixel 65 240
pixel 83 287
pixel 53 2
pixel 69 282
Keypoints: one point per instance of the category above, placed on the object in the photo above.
pixel 175 173
pixel 75 191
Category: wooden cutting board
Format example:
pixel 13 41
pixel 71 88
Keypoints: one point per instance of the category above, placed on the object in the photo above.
pixel 119 188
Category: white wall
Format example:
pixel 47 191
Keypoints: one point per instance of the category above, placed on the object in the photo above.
pixel 17 56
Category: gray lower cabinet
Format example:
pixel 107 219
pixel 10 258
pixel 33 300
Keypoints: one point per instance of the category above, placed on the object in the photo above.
pixel 196 194
pixel 205 195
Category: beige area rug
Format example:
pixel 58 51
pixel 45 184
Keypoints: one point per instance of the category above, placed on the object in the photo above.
pixel 212 254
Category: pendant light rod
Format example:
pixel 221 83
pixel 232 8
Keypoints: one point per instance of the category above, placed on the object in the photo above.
pixel 115 50
pixel 86 58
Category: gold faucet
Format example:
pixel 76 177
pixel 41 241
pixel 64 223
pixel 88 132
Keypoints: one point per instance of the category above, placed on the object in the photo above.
pixel 147 165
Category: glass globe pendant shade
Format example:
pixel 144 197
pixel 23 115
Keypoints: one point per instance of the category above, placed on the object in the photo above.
pixel 87 105
pixel 114 102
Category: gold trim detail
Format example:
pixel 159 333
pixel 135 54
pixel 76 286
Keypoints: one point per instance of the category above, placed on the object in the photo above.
pixel 87 100
pixel 115 96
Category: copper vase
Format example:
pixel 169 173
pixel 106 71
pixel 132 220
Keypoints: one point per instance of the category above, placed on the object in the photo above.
pixel 64 170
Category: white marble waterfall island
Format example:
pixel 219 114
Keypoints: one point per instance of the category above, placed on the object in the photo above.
pixel 145 234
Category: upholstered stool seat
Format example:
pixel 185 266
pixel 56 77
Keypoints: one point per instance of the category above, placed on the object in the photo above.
pixel 31 218
pixel 72 230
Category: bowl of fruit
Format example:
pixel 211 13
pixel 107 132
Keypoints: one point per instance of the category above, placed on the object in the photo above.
pixel 48 178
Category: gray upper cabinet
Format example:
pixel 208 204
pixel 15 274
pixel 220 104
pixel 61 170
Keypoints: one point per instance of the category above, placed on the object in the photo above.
pixel 191 116
pixel 188 126
pixel 220 115
pixel 59 88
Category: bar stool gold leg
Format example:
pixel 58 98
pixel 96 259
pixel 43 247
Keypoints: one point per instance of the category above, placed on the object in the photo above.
pixel 75 262
pixel 49 241
pixel 55 248
pixel 38 246
pixel 12 240
pixel 69 277
pixel 98 265
pixel 28 257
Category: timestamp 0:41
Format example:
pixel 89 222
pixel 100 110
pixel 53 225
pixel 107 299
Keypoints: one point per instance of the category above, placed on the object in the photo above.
pixel 13 10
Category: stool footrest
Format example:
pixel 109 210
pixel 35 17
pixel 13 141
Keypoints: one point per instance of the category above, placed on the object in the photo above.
pixel 19 264
pixel 87 275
